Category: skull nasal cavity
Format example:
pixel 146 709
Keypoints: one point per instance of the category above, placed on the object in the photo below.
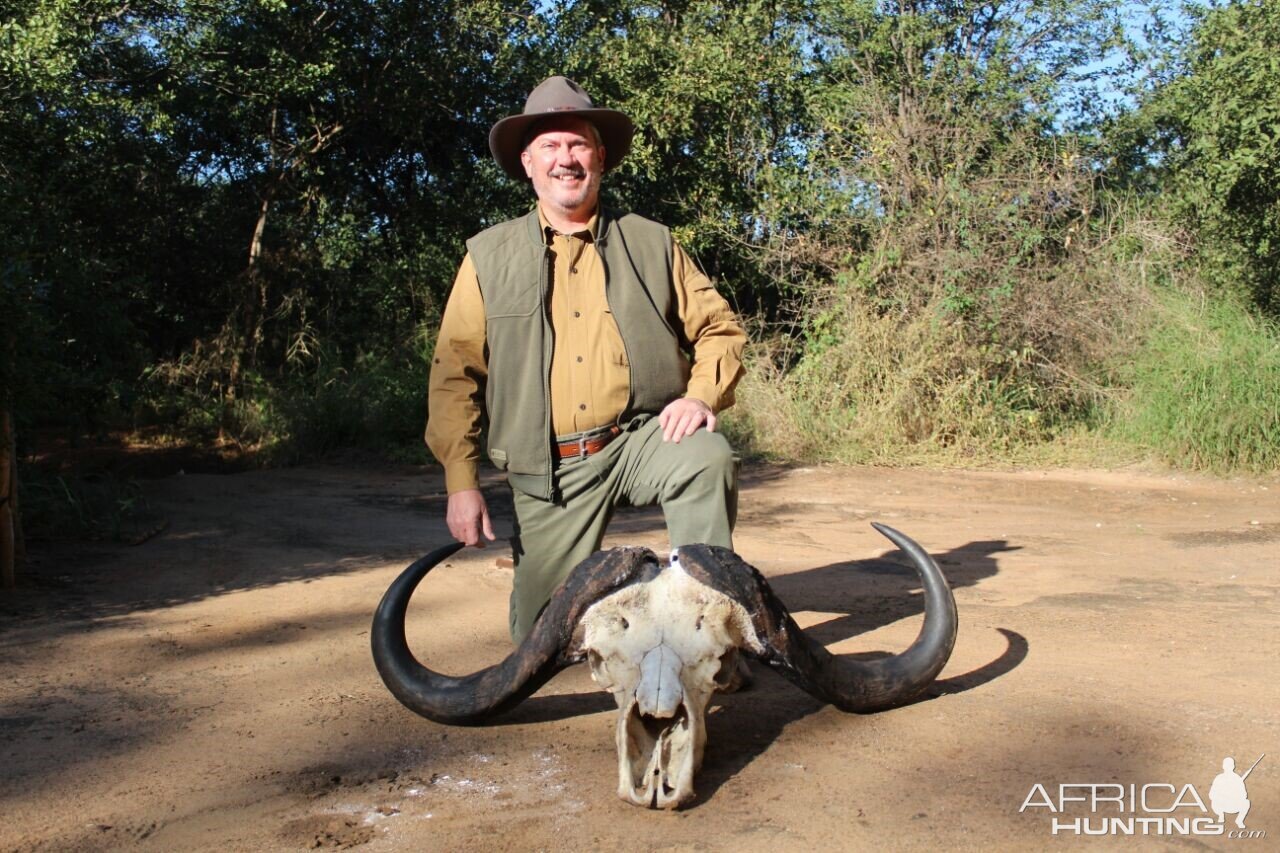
pixel 659 693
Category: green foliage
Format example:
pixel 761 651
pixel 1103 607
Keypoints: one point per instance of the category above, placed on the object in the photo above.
pixel 719 95
pixel 1211 135
pixel 378 403
pixel 236 220
pixel 959 301
pixel 1205 386
pixel 230 184
pixel 888 391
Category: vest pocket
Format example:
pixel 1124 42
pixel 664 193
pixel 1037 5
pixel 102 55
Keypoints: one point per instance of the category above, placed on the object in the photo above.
pixel 518 302
pixel 611 340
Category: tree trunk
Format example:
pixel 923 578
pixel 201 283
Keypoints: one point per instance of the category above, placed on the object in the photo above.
pixel 10 524
pixel 244 326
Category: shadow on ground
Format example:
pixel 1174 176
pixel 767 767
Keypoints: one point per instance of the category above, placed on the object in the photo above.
pixel 309 522
pixel 871 593
pixel 319 522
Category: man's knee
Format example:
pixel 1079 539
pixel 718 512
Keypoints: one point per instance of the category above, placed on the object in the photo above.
pixel 700 499
pixel 708 456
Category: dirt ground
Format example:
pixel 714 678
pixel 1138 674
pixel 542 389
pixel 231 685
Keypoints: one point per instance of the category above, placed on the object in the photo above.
pixel 212 688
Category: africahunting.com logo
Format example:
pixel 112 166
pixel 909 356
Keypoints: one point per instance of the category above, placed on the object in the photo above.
pixel 1158 808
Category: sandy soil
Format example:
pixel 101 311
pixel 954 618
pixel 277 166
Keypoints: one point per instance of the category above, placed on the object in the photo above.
pixel 212 688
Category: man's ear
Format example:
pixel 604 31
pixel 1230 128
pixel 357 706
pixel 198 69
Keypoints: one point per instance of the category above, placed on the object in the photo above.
pixel 526 160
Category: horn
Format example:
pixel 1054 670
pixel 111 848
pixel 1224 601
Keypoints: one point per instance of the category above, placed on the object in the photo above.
pixel 544 652
pixel 847 684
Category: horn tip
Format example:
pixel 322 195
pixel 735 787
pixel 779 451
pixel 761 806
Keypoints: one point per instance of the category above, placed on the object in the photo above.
pixel 884 530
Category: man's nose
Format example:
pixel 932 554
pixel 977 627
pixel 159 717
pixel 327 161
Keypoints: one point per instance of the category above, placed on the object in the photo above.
pixel 564 156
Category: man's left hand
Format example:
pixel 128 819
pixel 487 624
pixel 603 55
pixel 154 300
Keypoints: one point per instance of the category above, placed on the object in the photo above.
pixel 683 417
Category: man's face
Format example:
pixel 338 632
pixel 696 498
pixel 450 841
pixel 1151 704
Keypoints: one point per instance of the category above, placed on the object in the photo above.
pixel 565 164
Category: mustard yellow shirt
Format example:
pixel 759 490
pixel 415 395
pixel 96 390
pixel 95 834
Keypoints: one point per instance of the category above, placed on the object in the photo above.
pixel 590 377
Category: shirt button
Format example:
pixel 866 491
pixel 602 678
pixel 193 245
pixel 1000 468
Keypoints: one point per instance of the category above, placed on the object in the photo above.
pixel 579 359
pixel 573 269
pixel 582 407
pixel 577 313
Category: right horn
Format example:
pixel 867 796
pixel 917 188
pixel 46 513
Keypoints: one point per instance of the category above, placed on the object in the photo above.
pixel 545 651
pixel 848 684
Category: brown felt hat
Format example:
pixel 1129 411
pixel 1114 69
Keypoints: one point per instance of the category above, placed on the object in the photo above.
pixel 559 96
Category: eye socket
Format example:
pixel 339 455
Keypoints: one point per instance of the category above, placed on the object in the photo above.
pixel 625 623
pixel 698 625
pixel 728 665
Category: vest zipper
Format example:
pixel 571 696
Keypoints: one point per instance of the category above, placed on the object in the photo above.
pixel 548 347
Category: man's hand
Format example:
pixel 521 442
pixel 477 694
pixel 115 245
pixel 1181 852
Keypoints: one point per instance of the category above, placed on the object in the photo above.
pixel 683 417
pixel 468 517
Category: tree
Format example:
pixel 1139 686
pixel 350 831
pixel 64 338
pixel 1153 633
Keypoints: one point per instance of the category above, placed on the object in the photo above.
pixel 718 92
pixel 1209 137
pixel 86 200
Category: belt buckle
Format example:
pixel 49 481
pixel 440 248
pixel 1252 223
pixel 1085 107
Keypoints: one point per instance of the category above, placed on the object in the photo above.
pixel 582 445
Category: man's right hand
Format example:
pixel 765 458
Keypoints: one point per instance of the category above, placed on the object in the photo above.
pixel 468 518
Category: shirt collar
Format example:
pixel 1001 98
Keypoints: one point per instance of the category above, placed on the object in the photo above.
pixel 588 232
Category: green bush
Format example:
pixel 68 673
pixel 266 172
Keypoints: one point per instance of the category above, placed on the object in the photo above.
pixel 377 403
pixel 1205 386
pixel 885 390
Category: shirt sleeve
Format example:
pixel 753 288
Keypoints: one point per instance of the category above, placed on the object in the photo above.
pixel 713 332
pixel 455 390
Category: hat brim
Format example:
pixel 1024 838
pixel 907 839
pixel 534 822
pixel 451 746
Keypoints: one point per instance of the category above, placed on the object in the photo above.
pixel 616 130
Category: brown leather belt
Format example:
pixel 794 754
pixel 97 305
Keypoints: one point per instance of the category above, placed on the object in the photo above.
pixel 587 444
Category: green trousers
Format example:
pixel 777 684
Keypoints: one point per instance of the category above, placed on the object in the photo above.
pixel 694 481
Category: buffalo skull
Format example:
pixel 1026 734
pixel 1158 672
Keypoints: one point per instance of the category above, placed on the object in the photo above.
pixel 662 638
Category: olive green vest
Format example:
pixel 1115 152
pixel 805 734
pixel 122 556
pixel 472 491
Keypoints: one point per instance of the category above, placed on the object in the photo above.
pixel 514 267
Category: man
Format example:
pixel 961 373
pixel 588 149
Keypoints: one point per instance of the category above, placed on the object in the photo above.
pixel 1227 794
pixel 597 351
